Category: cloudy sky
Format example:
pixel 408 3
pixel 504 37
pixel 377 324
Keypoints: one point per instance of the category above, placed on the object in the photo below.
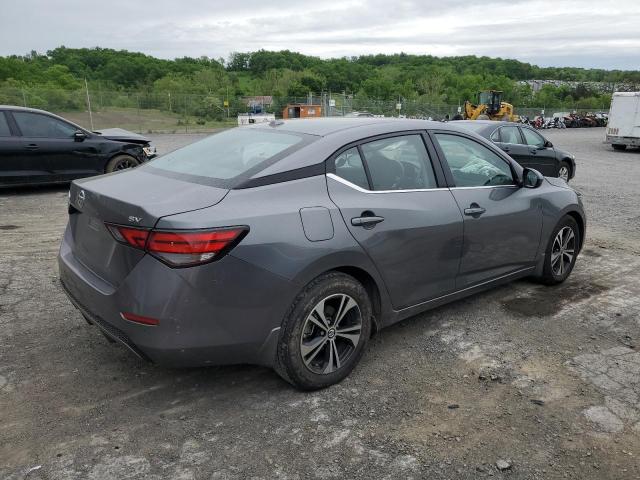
pixel 583 33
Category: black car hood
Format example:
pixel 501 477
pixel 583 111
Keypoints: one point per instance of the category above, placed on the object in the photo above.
pixel 122 135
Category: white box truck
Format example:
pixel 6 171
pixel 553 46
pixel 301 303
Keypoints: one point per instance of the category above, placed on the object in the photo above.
pixel 623 128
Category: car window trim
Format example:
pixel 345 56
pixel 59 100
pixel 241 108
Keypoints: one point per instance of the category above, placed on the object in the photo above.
pixel 337 178
pixel 441 181
pixel 491 146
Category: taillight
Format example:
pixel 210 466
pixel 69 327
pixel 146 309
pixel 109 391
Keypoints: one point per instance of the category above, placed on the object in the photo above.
pixel 135 237
pixel 181 248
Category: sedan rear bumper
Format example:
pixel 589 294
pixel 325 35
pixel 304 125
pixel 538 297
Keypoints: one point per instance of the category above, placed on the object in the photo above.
pixel 229 319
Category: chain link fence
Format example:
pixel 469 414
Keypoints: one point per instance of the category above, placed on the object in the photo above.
pixel 172 112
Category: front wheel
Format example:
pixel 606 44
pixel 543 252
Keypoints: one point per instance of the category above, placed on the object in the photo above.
pixel 618 146
pixel 325 332
pixel 562 251
pixel 564 171
pixel 121 162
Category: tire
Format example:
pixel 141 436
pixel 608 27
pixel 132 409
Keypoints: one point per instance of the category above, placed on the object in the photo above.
pixel 121 162
pixel 305 356
pixel 617 146
pixel 564 171
pixel 554 273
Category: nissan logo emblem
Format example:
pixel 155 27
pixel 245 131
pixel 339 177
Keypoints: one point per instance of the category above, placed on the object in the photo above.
pixel 80 199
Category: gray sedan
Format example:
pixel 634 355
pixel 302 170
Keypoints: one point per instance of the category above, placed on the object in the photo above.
pixel 289 244
pixel 526 146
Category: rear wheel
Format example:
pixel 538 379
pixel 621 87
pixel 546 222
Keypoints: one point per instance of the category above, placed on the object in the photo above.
pixel 564 171
pixel 325 332
pixel 121 162
pixel 562 251
pixel 617 146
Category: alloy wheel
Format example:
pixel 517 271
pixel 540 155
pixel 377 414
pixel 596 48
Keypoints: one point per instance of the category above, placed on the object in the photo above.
pixel 563 251
pixel 563 173
pixel 124 164
pixel 331 333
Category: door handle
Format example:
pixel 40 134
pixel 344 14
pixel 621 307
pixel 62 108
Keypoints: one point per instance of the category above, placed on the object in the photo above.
pixel 506 149
pixel 32 146
pixel 366 222
pixel 534 150
pixel 474 210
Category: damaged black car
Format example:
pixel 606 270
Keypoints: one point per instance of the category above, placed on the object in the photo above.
pixel 38 147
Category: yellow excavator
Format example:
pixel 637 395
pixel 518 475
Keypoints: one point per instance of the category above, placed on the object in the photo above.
pixel 490 107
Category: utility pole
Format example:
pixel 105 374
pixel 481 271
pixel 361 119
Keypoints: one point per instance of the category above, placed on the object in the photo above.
pixel 86 86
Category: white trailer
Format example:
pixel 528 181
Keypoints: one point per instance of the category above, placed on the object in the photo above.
pixel 623 128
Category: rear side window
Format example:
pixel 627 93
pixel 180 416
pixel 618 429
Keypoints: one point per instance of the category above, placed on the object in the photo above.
pixel 399 163
pixel 229 154
pixel 509 135
pixel 348 165
pixel 473 164
pixel 42 126
pixel 4 126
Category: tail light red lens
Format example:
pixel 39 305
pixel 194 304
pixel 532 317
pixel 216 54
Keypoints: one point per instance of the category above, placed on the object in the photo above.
pixel 181 248
pixel 136 237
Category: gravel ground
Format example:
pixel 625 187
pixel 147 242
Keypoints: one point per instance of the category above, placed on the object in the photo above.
pixel 523 381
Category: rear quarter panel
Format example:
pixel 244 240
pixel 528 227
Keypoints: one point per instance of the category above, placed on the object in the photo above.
pixel 276 241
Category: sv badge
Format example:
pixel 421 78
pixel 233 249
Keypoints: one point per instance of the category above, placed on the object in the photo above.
pixel 135 219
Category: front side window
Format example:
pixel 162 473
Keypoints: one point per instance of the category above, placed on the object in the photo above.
pixel 399 163
pixel 42 126
pixel 473 164
pixel 348 165
pixel 228 154
pixel 532 138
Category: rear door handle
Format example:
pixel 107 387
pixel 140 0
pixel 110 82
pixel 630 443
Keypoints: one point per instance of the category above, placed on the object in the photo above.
pixel 534 150
pixel 32 146
pixel 366 221
pixel 474 211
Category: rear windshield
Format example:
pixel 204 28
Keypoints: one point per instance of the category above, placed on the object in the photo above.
pixel 224 157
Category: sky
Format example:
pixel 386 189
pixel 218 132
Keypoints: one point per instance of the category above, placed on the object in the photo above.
pixel 590 34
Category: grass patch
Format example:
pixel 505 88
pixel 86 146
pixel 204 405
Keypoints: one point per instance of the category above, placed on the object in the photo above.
pixel 145 121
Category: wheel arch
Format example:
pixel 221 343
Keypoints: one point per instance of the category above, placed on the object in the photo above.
pixel 371 286
pixel 581 225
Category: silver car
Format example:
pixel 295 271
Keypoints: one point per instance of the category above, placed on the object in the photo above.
pixel 290 244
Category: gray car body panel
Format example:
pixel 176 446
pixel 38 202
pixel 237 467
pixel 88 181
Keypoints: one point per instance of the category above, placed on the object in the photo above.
pixel 231 310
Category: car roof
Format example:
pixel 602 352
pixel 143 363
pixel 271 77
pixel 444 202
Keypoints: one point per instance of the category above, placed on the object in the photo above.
pixel 326 126
pixel 16 108
pixel 23 109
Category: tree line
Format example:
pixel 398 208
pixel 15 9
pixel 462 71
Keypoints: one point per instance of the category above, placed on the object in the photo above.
pixel 420 78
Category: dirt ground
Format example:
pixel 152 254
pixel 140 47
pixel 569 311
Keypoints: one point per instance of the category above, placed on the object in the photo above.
pixel 522 382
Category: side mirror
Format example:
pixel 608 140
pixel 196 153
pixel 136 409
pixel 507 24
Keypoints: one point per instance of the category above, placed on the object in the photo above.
pixel 531 178
pixel 79 136
pixel 548 144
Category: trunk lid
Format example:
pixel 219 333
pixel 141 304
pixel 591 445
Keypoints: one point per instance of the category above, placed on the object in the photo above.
pixel 132 198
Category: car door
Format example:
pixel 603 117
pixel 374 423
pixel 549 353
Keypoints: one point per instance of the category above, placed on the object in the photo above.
pixel 510 140
pixel 541 157
pixel 502 222
pixel 12 172
pixel 49 145
pixel 19 163
pixel 399 211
